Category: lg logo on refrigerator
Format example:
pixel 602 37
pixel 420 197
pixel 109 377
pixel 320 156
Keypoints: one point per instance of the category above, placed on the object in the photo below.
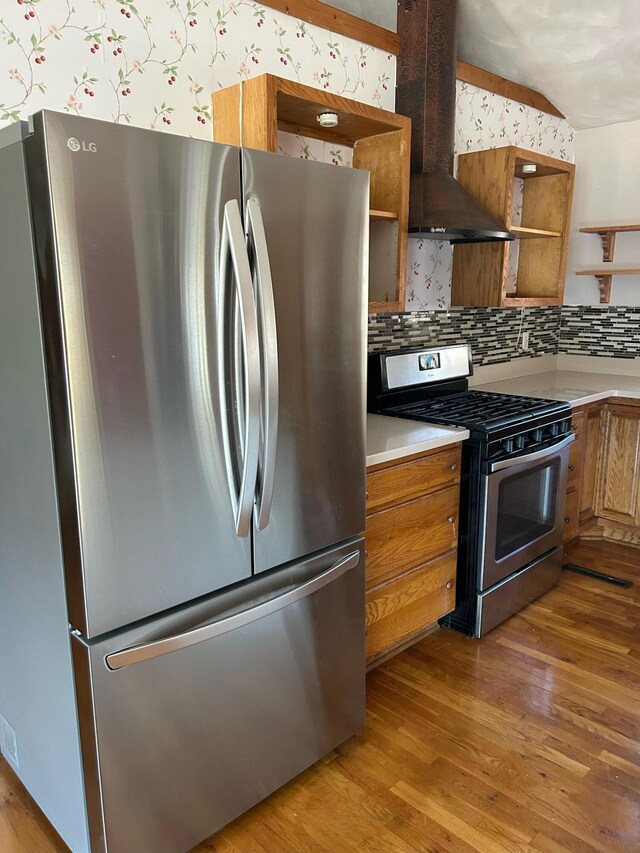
pixel 76 145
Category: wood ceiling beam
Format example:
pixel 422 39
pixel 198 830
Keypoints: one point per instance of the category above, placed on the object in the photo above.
pixel 326 16
pixel 323 15
pixel 507 88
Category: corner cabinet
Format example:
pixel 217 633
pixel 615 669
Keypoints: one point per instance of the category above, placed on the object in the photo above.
pixel 411 542
pixel 532 194
pixel 381 144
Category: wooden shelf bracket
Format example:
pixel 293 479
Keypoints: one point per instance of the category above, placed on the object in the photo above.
pixel 604 285
pixel 608 245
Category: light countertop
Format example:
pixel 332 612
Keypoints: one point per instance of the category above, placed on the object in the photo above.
pixel 392 438
pixel 572 386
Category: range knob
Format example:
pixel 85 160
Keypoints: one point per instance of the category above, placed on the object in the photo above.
pixel 520 442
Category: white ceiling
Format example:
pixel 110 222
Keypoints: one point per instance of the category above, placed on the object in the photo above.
pixel 584 55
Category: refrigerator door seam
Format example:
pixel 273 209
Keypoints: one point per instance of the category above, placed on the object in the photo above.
pixel 233 246
pixel 148 651
pixel 257 239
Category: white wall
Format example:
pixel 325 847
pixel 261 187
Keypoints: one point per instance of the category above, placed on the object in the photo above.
pixel 607 192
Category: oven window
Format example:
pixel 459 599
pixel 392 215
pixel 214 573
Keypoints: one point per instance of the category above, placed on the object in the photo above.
pixel 527 504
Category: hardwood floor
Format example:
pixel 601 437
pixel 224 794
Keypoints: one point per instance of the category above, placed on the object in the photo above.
pixel 525 742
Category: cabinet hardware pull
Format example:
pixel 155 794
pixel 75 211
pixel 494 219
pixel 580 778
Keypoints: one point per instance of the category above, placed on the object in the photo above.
pixel 366 496
pixel 449 584
pixel 567 520
pixel 572 467
pixel 453 467
pixel 451 519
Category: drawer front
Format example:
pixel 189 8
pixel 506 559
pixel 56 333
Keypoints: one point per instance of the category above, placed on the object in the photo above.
pixel 407 606
pixel 578 421
pixel 571 516
pixel 575 464
pixel 406 536
pixel 410 480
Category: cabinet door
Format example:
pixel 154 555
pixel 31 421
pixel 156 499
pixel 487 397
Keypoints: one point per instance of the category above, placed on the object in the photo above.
pixel 617 497
pixel 590 463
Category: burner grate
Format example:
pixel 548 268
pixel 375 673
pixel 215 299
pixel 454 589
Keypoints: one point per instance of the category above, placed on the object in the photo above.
pixel 483 409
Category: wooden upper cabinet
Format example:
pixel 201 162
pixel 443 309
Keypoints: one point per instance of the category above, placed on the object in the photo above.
pixel 381 144
pixel 618 495
pixel 536 208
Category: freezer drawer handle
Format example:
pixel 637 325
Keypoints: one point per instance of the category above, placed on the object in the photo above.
pixel 269 349
pixel 233 246
pixel 137 654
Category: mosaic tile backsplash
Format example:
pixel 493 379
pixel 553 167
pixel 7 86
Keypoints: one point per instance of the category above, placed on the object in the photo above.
pixel 495 334
pixel 606 331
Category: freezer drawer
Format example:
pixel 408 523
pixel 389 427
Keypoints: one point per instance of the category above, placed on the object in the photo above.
pixel 203 713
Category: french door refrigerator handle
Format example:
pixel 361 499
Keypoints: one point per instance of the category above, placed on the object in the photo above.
pixel 233 246
pixel 531 457
pixel 269 345
pixel 157 648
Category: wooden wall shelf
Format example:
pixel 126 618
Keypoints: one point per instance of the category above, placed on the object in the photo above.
pixel 381 144
pixel 608 236
pixel 604 276
pixel 481 271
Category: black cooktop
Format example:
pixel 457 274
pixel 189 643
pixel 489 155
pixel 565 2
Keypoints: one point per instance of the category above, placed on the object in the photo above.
pixel 480 410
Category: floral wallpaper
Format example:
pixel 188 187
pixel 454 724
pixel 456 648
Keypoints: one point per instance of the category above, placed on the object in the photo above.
pixel 154 63
pixel 483 120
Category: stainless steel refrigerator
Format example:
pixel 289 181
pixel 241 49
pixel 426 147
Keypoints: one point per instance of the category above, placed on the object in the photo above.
pixel 182 402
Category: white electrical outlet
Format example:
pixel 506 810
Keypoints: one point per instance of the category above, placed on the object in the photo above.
pixel 9 742
pixel 525 340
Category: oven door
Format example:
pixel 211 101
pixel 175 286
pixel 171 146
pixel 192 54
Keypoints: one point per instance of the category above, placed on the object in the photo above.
pixel 524 510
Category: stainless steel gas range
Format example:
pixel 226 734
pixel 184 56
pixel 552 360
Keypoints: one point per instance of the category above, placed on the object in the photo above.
pixel 514 477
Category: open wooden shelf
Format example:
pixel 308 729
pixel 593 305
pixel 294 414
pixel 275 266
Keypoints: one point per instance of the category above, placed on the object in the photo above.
pixel 603 229
pixel 604 276
pixel 381 144
pixel 483 272
pixel 608 236
pixel 511 300
pixel 610 271
pixel 383 215
pixel 521 233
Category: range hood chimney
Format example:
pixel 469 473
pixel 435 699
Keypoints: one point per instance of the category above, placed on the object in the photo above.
pixel 439 207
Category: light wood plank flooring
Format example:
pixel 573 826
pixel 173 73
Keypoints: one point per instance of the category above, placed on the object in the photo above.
pixel 526 742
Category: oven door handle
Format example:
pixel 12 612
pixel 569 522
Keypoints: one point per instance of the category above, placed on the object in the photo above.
pixel 532 457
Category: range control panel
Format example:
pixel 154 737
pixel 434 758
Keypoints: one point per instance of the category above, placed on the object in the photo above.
pixel 405 369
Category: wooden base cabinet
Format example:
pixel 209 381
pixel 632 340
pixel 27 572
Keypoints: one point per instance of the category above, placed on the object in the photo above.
pixel 590 460
pixel 584 465
pixel 412 534
pixel 618 492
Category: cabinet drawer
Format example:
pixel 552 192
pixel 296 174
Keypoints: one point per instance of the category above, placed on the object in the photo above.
pixel 404 537
pixel 408 605
pixel 571 516
pixel 578 420
pixel 412 479
pixel 575 464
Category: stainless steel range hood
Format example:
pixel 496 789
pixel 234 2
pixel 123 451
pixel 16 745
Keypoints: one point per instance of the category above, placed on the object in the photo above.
pixel 439 207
